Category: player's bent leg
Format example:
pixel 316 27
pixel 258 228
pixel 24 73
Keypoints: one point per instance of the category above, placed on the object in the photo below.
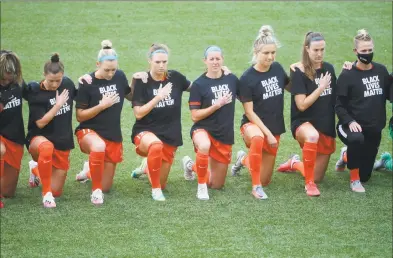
pixel 202 145
pixel 9 181
pixel 268 161
pixel 218 174
pixel 108 175
pixel 59 177
pixel 321 165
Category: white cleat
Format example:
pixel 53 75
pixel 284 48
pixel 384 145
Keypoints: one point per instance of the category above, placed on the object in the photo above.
pixel 202 193
pixel 357 186
pixel 238 164
pixel 97 197
pixel 48 200
pixel 34 181
pixel 187 162
pixel 157 194
pixel 82 176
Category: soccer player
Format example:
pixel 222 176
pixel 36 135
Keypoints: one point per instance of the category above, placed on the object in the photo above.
pixel 98 109
pixel 361 108
pixel 212 104
pixel 312 110
pixel 49 138
pixel 12 132
pixel 157 108
pixel 262 94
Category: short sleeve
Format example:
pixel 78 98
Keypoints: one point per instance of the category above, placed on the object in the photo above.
pixel 127 88
pixel 342 84
pixel 391 88
pixel 298 84
pixel 138 98
pixel 72 89
pixel 195 99
pixel 184 82
pixel 83 97
pixel 245 90
pixel 285 75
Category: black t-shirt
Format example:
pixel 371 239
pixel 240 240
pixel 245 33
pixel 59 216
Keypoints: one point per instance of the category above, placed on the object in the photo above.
pixel 321 113
pixel 362 95
pixel 204 93
pixel 11 119
pixel 266 91
pixel 59 129
pixel 106 123
pixel 164 120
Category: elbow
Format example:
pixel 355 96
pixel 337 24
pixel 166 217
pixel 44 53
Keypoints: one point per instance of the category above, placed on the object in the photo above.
pixel 138 115
pixel 301 108
pixel 194 119
pixel 40 124
pixel 79 118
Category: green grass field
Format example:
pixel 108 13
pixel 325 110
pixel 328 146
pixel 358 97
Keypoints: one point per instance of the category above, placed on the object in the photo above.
pixel 232 224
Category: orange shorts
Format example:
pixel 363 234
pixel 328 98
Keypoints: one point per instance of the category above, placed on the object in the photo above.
pixel 218 151
pixel 168 151
pixel 113 150
pixel 266 146
pixel 60 159
pixel 13 153
pixel 326 144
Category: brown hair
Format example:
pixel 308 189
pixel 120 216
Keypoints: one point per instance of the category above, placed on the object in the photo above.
pixel 306 61
pixel 54 65
pixel 10 63
pixel 157 47
pixel 362 35
pixel 265 36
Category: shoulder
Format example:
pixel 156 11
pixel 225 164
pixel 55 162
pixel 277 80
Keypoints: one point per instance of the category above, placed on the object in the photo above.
pixel 328 66
pixel 67 81
pixel 231 76
pixel 33 86
pixel 380 67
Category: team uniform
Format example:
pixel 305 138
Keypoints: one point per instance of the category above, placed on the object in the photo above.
pixel 105 124
pixel 266 91
pixel 12 131
pixel 361 98
pixel 219 125
pixel 59 130
pixel 164 120
pixel 320 114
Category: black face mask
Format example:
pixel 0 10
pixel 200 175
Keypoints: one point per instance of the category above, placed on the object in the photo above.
pixel 366 58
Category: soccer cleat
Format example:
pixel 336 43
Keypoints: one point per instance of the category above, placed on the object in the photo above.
pixel 82 176
pixel 136 173
pixel 381 164
pixel 357 187
pixel 341 164
pixel 202 193
pixel 189 175
pixel 258 193
pixel 312 189
pixel 48 200
pixel 157 194
pixel 97 197
pixel 34 181
pixel 1 205
pixel 238 164
pixel 287 166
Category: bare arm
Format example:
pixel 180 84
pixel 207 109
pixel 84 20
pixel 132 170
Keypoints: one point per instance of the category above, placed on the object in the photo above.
pixel 142 111
pixel 60 101
pixel 303 102
pixel 107 101
pixel 200 114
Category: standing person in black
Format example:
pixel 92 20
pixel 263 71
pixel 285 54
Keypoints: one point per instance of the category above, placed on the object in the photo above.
pixel 49 138
pixel 212 103
pixel 262 95
pixel 312 110
pixel 361 108
pixel 157 108
pixel 12 132
pixel 98 109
